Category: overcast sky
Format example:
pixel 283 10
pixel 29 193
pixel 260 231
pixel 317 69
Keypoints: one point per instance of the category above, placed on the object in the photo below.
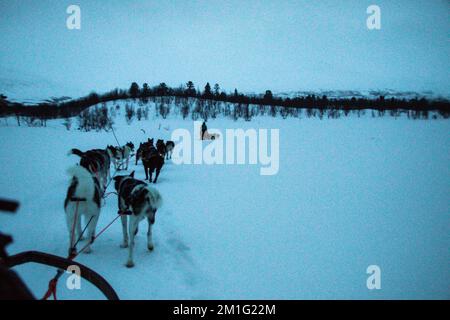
pixel 250 45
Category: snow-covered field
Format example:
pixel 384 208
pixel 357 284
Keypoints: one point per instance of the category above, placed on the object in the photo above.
pixel 349 193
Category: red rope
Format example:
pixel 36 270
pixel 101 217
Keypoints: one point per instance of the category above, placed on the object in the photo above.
pixel 51 289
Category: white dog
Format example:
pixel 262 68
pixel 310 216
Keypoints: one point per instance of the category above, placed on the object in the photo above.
pixel 83 198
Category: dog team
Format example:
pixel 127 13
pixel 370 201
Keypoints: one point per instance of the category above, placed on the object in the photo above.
pixel 136 199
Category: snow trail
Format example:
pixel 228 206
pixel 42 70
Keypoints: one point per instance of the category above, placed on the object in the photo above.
pixel 349 193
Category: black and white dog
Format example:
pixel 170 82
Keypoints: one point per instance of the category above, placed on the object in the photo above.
pixel 97 162
pixel 143 201
pixel 83 198
pixel 121 155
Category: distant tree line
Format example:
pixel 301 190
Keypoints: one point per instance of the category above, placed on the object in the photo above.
pixel 419 108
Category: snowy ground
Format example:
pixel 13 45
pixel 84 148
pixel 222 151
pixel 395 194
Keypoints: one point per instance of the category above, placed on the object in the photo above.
pixel 350 193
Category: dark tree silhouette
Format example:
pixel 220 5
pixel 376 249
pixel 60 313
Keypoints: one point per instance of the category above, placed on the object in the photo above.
pixel 162 89
pixel 207 93
pixel 3 101
pixel 145 90
pixel 216 90
pixel 268 96
pixel 134 90
pixel 190 89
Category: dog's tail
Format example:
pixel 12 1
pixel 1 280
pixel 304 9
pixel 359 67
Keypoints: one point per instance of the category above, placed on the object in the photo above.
pixel 86 185
pixel 154 197
pixel 77 152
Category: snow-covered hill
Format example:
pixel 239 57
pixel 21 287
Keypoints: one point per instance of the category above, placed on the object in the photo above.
pixel 29 88
pixel 368 94
pixel 350 193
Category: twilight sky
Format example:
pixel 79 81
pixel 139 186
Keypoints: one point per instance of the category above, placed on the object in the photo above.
pixel 250 45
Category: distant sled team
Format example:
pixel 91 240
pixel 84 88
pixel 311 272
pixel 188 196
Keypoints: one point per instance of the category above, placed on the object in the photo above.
pixel 90 178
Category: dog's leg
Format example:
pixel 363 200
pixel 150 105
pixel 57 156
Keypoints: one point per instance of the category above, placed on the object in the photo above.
pixel 146 172
pixel 123 218
pixel 157 174
pixel 124 244
pixel 70 220
pixel 150 173
pixel 132 231
pixel 91 231
pixel 149 236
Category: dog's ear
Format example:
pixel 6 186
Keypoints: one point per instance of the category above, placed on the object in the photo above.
pixel 116 178
pixel 132 174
